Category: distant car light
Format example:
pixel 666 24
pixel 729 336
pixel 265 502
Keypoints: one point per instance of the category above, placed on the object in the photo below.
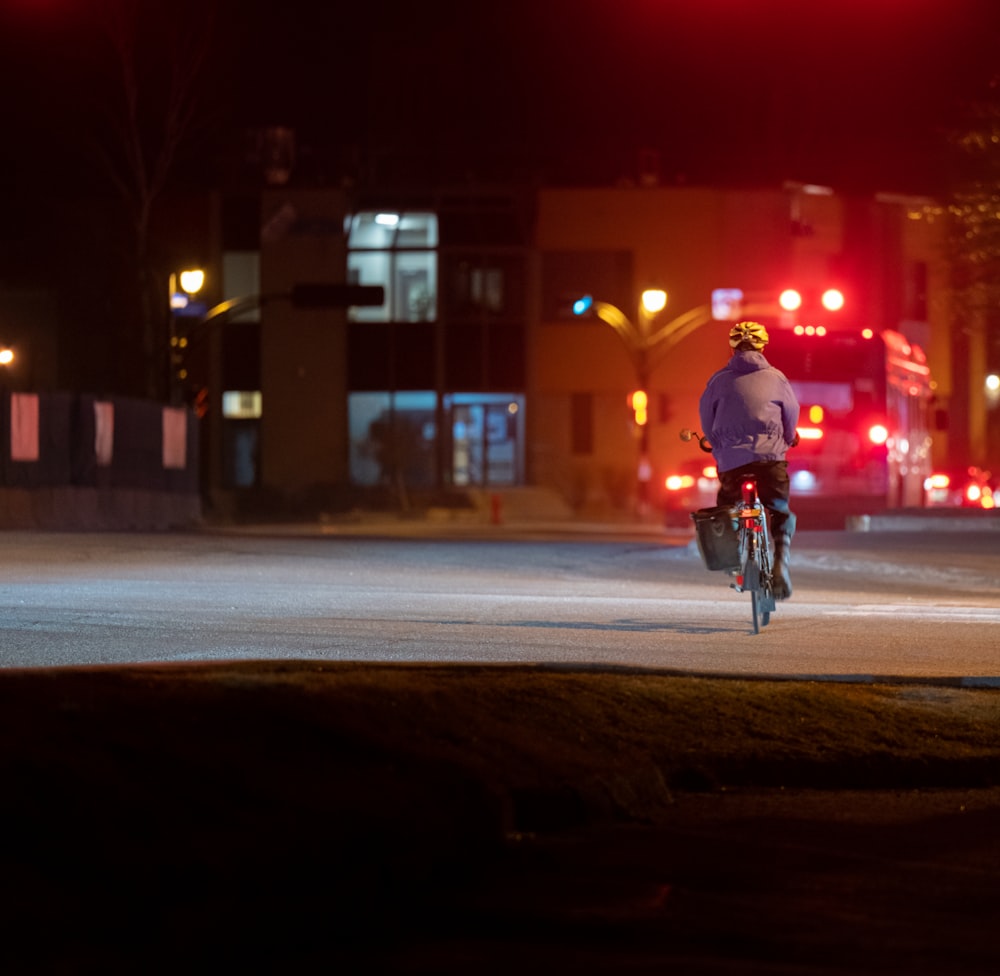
pixel 678 482
pixel 968 487
pixel 878 434
pixel 803 481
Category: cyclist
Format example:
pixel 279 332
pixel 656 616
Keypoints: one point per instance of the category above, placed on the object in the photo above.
pixel 749 413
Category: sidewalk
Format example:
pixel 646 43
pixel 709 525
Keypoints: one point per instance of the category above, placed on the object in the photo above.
pixel 525 521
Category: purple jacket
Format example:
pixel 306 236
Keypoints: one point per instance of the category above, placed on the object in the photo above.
pixel 748 412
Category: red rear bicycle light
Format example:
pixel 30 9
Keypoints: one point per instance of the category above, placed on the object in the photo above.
pixel 748 489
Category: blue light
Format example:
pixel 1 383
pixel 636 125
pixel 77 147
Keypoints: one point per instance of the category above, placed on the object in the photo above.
pixel 582 305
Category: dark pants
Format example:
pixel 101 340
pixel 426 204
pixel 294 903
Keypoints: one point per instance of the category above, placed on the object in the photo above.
pixel 772 487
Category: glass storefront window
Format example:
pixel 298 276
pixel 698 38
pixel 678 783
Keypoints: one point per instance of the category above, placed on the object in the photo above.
pixel 392 438
pixel 487 438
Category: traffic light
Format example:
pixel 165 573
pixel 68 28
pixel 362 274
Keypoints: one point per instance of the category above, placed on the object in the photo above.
pixel 178 358
pixel 639 402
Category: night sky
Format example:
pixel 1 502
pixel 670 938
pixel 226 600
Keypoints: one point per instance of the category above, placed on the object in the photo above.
pixel 853 93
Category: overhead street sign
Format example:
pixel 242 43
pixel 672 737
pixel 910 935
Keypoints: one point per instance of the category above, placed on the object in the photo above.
pixel 317 295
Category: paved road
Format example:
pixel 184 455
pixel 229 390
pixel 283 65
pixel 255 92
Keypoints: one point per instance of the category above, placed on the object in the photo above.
pixel 918 604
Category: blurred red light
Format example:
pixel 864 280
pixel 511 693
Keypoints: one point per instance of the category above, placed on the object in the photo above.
pixel 790 300
pixel 833 300
pixel 677 482
pixel 878 434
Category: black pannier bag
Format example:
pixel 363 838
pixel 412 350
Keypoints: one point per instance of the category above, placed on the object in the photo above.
pixel 717 532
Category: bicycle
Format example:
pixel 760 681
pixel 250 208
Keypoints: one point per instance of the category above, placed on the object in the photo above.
pixel 737 539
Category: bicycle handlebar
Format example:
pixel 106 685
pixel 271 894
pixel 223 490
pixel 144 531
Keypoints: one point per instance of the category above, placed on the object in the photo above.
pixel 687 435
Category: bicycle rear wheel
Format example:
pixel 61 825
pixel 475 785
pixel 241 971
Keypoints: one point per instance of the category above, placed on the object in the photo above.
pixel 757 579
pixel 760 617
pixel 766 601
pixel 752 583
pixel 763 605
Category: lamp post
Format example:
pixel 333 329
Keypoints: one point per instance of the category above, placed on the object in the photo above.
pixel 7 358
pixel 651 303
pixel 640 339
pixel 184 287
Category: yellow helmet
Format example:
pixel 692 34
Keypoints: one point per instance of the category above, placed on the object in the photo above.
pixel 752 332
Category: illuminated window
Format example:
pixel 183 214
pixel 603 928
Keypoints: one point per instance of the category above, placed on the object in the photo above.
pixel 241 404
pixel 399 252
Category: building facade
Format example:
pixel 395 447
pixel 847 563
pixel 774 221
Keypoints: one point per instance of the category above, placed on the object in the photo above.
pixel 414 400
pixel 883 254
pixel 476 372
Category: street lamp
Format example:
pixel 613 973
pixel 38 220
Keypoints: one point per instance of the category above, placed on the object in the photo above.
pixel 654 300
pixel 192 281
